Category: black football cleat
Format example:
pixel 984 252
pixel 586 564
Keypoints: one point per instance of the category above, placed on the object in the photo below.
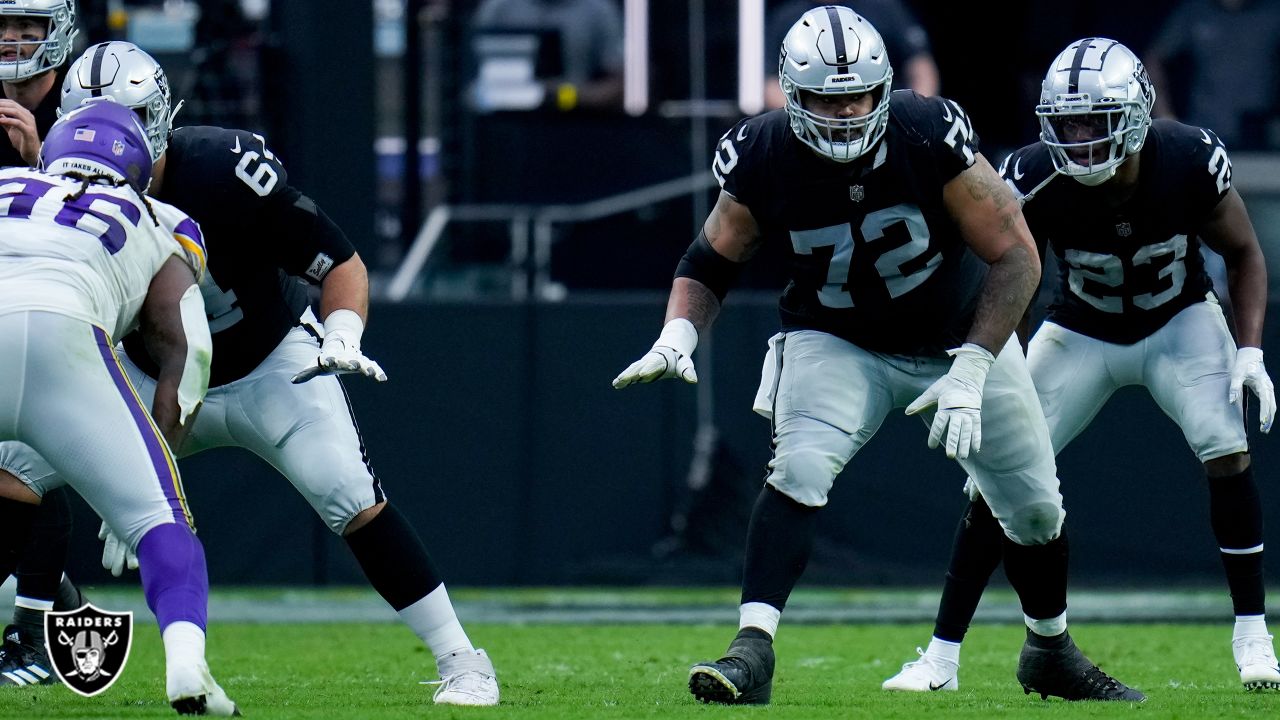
pixel 24 662
pixel 744 676
pixel 1065 672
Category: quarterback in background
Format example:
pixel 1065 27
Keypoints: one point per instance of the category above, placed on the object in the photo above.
pixel 911 265
pixel 1124 203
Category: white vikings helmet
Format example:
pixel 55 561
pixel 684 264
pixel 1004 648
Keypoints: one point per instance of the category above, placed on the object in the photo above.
pixel 834 51
pixel 125 73
pixel 52 51
pixel 1095 108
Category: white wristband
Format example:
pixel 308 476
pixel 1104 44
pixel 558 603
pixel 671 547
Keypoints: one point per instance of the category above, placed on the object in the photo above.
pixel 972 363
pixel 680 335
pixel 345 325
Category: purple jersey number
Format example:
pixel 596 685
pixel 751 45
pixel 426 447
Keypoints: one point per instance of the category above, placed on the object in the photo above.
pixel 22 194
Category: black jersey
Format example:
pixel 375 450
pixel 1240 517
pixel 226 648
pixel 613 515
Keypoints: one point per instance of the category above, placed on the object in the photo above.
pixel 1126 270
pixel 261 234
pixel 45 114
pixel 875 257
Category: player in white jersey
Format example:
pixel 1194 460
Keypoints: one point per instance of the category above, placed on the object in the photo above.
pixel 83 257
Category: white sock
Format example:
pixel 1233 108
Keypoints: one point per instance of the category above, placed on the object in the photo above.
pixel 944 649
pixel 759 615
pixel 1247 625
pixel 32 603
pixel 183 652
pixel 1048 627
pixel 432 619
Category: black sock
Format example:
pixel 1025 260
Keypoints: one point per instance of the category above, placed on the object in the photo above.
pixel 779 540
pixel 15 530
pixel 1039 575
pixel 1235 511
pixel 975 555
pixel 69 596
pixel 32 622
pixel 1057 642
pixel 394 559
pixel 44 558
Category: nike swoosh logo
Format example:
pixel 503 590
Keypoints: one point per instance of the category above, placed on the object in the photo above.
pixel 742 133
pixel 236 149
pixel 939 687
pixel 1017 175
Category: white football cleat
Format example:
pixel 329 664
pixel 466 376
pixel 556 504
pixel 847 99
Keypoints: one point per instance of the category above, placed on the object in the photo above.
pixel 929 673
pixel 466 678
pixel 192 691
pixel 1256 659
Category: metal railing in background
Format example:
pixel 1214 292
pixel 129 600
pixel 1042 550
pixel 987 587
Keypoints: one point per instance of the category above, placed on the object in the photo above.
pixel 531 233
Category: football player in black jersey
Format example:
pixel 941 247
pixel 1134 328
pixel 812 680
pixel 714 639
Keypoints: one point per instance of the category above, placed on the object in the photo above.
pixel 273 386
pixel 911 265
pixel 35 42
pixel 1135 307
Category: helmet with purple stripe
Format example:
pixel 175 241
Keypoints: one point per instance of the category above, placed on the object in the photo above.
pixel 99 138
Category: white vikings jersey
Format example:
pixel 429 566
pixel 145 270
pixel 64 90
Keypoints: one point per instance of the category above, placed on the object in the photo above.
pixel 89 256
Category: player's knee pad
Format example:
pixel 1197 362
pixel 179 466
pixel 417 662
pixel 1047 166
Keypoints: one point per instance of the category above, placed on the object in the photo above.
pixel 1035 524
pixel 805 476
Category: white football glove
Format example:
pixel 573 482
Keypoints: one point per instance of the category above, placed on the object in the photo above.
pixel 1249 371
pixel 958 395
pixel 340 350
pixel 669 357
pixel 115 554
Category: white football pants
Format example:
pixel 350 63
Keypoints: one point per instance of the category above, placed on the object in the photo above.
pixel 827 397
pixel 1185 365
pixel 306 431
pixel 66 396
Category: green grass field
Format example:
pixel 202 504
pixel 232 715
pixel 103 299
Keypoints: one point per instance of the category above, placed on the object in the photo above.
pixel 561 670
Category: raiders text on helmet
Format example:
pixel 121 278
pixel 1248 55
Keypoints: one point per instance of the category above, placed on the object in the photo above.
pixel 834 51
pixel 131 77
pixel 1095 108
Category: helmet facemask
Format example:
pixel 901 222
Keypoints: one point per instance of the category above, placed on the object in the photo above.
pixel 840 139
pixel 832 51
pixel 1095 109
pixel 58 18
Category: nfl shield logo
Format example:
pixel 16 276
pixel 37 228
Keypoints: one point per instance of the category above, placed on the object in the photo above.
pixel 856 193
pixel 88 647
pixel 1124 229
pixel 117 148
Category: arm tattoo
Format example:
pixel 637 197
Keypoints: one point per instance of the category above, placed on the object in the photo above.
pixel 1006 293
pixel 702 306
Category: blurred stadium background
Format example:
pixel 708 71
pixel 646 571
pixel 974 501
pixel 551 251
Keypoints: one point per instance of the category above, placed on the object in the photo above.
pixel 520 259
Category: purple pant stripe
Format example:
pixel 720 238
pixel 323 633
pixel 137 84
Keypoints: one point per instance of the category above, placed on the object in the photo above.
pixel 161 460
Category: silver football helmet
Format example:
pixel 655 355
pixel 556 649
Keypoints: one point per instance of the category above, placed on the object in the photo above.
pixel 131 77
pixel 1095 108
pixel 52 52
pixel 833 51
